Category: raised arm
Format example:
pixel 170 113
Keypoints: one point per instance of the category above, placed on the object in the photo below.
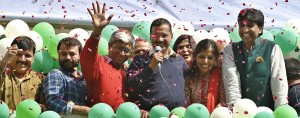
pixel 11 51
pixel 89 54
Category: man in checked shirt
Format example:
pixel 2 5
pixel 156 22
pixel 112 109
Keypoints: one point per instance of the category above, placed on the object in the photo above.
pixel 65 88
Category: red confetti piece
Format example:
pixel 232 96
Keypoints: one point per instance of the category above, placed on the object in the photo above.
pixel 63 7
pixel 245 22
pixel 145 14
pixel 209 8
pixel 276 3
pixel 132 15
pixel 59 1
pixel 280 79
pixel 244 4
pixel 275 97
pixel 32 16
pixel 228 14
pixel 245 112
pixel 286 1
pixel 111 7
pixel 3 16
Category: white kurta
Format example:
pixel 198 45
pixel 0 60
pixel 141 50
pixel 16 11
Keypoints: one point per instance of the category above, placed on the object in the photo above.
pixel 232 83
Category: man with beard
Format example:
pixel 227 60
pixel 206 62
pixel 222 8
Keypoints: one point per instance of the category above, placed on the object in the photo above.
pixel 17 81
pixel 157 78
pixel 105 74
pixel 65 88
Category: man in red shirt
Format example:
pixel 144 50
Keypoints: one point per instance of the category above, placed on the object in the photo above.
pixel 104 75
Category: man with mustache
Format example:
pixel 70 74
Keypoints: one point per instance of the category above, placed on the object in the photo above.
pixel 157 78
pixel 65 88
pixel 17 81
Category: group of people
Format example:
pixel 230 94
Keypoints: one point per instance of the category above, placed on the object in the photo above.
pixel 203 72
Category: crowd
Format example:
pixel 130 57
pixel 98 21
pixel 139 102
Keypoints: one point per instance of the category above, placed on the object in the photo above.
pixel 206 72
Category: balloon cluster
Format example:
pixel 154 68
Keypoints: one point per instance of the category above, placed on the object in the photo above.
pixel 243 108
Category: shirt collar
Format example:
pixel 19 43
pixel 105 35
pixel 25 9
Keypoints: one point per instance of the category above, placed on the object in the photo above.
pixel 107 59
pixel 80 76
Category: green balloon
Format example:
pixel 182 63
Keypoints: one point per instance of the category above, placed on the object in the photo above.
pixel 128 110
pixel 159 111
pixel 264 114
pixel 52 45
pixel 285 111
pixel 46 31
pixel 196 110
pixel 108 31
pixel 179 111
pixel 274 32
pixel 103 46
pixel 56 64
pixel 4 112
pixel 142 29
pixel 101 110
pixel 28 109
pixel 49 114
pixel 234 35
pixel 287 40
pixel 267 35
pixel 43 62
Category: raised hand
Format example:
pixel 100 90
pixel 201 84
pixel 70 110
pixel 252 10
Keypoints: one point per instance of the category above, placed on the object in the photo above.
pixel 98 17
pixel 12 51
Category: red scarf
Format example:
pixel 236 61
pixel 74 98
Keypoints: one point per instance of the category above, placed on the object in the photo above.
pixel 213 89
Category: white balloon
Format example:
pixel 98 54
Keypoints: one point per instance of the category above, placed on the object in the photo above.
pixel 263 108
pixel 63 34
pixel 294 25
pixel 182 28
pixel 173 116
pixel 244 108
pixel 220 35
pixel 37 38
pixel 1 30
pixel 80 34
pixel 200 35
pixel 4 43
pixel 221 112
pixel 16 28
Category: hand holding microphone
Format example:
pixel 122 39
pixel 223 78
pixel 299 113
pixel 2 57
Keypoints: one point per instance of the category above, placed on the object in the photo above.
pixel 157 58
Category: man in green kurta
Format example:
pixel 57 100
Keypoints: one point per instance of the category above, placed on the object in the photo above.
pixel 254 67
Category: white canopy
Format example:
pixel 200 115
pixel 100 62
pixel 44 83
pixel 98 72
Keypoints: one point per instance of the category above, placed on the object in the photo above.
pixel 203 14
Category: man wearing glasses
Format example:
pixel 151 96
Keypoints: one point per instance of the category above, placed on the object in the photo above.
pixel 104 75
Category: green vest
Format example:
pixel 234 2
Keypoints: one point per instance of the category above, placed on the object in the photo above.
pixel 255 74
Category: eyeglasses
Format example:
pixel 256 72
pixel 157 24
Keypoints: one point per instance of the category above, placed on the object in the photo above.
pixel 121 49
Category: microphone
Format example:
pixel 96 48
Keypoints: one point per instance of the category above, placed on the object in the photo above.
pixel 158 49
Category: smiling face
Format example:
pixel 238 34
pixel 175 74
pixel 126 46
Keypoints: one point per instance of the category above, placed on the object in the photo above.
pixel 22 62
pixel 161 36
pixel 119 52
pixel 249 31
pixel 205 60
pixel 185 50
